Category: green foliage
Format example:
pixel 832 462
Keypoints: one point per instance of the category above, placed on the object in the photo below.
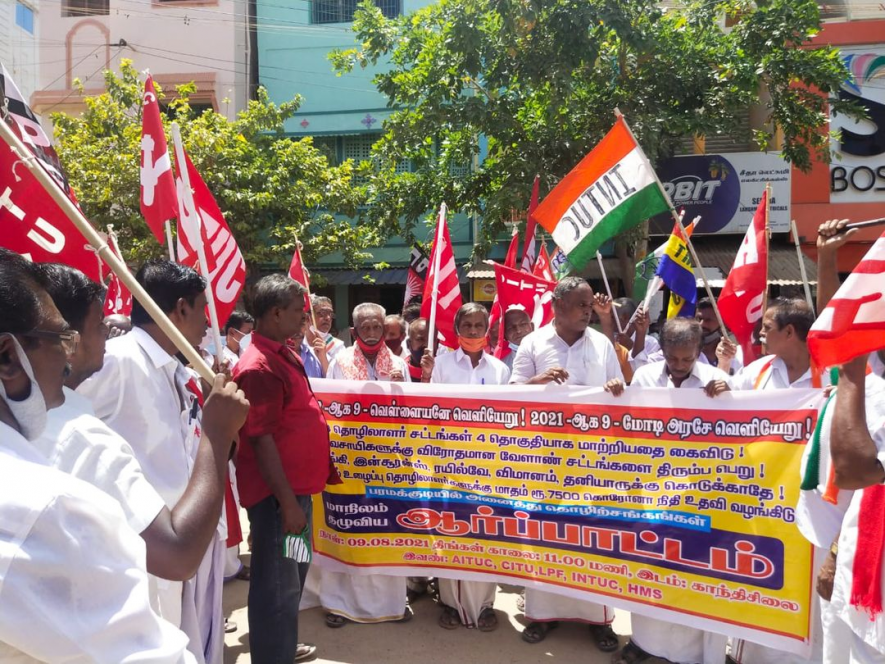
pixel 269 187
pixel 533 84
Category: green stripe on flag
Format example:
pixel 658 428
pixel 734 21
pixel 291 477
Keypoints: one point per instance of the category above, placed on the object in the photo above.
pixel 640 206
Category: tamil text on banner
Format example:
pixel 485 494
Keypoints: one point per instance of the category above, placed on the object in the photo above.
pixel 661 502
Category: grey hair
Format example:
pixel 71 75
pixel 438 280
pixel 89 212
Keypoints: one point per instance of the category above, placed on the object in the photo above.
pixel 317 300
pixel 366 308
pixel 567 285
pixel 470 308
pixel 682 332
pixel 274 290
pixel 625 306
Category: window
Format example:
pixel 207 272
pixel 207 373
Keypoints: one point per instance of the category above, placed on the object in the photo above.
pixel 342 11
pixel 85 8
pixel 24 17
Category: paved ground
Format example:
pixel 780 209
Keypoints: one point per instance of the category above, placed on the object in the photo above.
pixel 421 641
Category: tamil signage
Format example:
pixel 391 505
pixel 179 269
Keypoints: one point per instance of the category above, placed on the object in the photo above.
pixel 725 189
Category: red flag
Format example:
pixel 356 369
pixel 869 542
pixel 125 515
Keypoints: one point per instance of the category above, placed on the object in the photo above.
pixel 513 250
pixel 518 289
pixel 418 264
pixel 740 301
pixel 445 283
pixel 853 322
pixel 118 299
pixel 159 201
pixel 542 266
pixel 529 252
pixel 33 224
pixel 297 271
pixel 226 268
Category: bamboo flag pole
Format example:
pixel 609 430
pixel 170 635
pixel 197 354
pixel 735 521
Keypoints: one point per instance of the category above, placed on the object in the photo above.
pixel 198 241
pixel 313 316
pixel 802 269
pixel 608 289
pixel 110 258
pixel 437 256
pixel 767 243
pixel 169 240
pixel 688 242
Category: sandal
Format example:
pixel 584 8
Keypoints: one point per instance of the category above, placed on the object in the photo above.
pixel 487 620
pixel 537 631
pixel 449 618
pixel 605 637
pixel 305 651
pixel 408 614
pixel 335 621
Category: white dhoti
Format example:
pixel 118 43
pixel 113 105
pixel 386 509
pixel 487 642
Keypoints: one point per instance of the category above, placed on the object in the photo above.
pixel 836 635
pixel 165 598
pixel 541 606
pixel 859 651
pixel 363 598
pixel 201 614
pixel 677 643
pixel 468 598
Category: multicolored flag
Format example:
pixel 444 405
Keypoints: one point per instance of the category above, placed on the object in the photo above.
pixel 647 268
pixel 743 295
pixel 418 264
pixel 559 264
pixel 201 221
pixel 676 272
pixel 853 323
pixel 529 250
pixel 159 201
pixel 611 190
pixel 445 283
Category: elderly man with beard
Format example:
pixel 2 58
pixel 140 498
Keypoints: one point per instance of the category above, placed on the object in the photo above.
pixel 369 598
pixel 58 531
pixel 568 351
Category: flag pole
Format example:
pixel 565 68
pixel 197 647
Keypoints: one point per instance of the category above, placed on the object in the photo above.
pixel 608 289
pixel 688 242
pixel 434 298
pixel 118 267
pixel 802 270
pixel 198 241
pixel 169 240
pixel 313 316
pixel 767 242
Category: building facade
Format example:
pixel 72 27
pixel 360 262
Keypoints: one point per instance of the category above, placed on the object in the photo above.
pixel 19 39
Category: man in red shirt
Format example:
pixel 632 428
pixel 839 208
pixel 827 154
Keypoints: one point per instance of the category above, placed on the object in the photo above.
pixel 283 459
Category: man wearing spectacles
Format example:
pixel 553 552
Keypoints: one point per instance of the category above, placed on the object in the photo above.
pixel 324 313
pixel 104 614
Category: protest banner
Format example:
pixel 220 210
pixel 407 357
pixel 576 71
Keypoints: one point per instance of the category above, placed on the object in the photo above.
pixel 661 502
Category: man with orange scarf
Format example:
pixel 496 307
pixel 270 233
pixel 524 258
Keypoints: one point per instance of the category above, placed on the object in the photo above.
pixel 370 598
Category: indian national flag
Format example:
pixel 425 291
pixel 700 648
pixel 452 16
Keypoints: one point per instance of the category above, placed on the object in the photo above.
pixel 612 190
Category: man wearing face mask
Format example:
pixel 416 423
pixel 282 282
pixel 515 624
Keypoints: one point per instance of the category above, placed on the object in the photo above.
pixel 77 442
pixel 421 362
pixel 148 397
pixel 237 326
pixel 50 518
pixel 377 597
pixel 469 603
pixel 517 326
pixel 395 335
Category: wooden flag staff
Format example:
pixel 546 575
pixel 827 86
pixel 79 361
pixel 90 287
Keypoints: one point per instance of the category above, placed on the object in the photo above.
pixel 608 289
pixel 313 316
pixel 118 267
pixel 802 270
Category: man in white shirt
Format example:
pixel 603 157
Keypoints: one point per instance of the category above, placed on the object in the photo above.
pixel 324 314
pixel 517 326
pixel 78 443
pixel 718 351
pixel 145 394
pixel 469 603
pixel 395 329
pixel 237 326
pixel 365 598
pixel 568 351
pixel 72 581
pixel 652 637
pixel 858 457
pixel 643 347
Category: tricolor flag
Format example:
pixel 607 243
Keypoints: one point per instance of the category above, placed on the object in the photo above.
pixel 613 189
pixel 853 322
pixel 646 269
pixel 676 273
pixel 559 264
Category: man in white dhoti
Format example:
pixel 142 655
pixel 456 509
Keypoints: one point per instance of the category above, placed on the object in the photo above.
pixel 469 603
pixel 145 394
pixel 365 598
pixel 568 351
pixel 681 340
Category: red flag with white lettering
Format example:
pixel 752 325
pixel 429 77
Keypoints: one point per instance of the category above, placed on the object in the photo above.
pixel 529 250
pixel 542 265
pixel 34 225
pixel 853 323
pixel 226 267
pixel 528 292
pixel 118 299
pixel 159 201
pixel 445 283
pixel 740 301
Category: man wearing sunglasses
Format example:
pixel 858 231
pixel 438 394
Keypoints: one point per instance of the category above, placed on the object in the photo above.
pixel 58 532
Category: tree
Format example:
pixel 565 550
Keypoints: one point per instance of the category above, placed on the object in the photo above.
pixel 269 187
pixel 533 85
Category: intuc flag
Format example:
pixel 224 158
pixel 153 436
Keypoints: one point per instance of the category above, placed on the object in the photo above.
pixel 613 189
pixel 741 299
pixel 159 201
pixel 853 322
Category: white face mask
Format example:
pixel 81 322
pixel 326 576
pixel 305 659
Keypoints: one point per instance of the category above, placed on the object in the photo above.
pixel 244 343
pixel 30 413
pixel 514 347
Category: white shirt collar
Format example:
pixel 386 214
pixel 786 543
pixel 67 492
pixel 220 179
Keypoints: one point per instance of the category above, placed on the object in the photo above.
pixel 154 351
pixel 461 357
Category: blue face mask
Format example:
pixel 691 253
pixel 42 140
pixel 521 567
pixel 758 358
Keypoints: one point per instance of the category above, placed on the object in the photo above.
pixel 514 347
